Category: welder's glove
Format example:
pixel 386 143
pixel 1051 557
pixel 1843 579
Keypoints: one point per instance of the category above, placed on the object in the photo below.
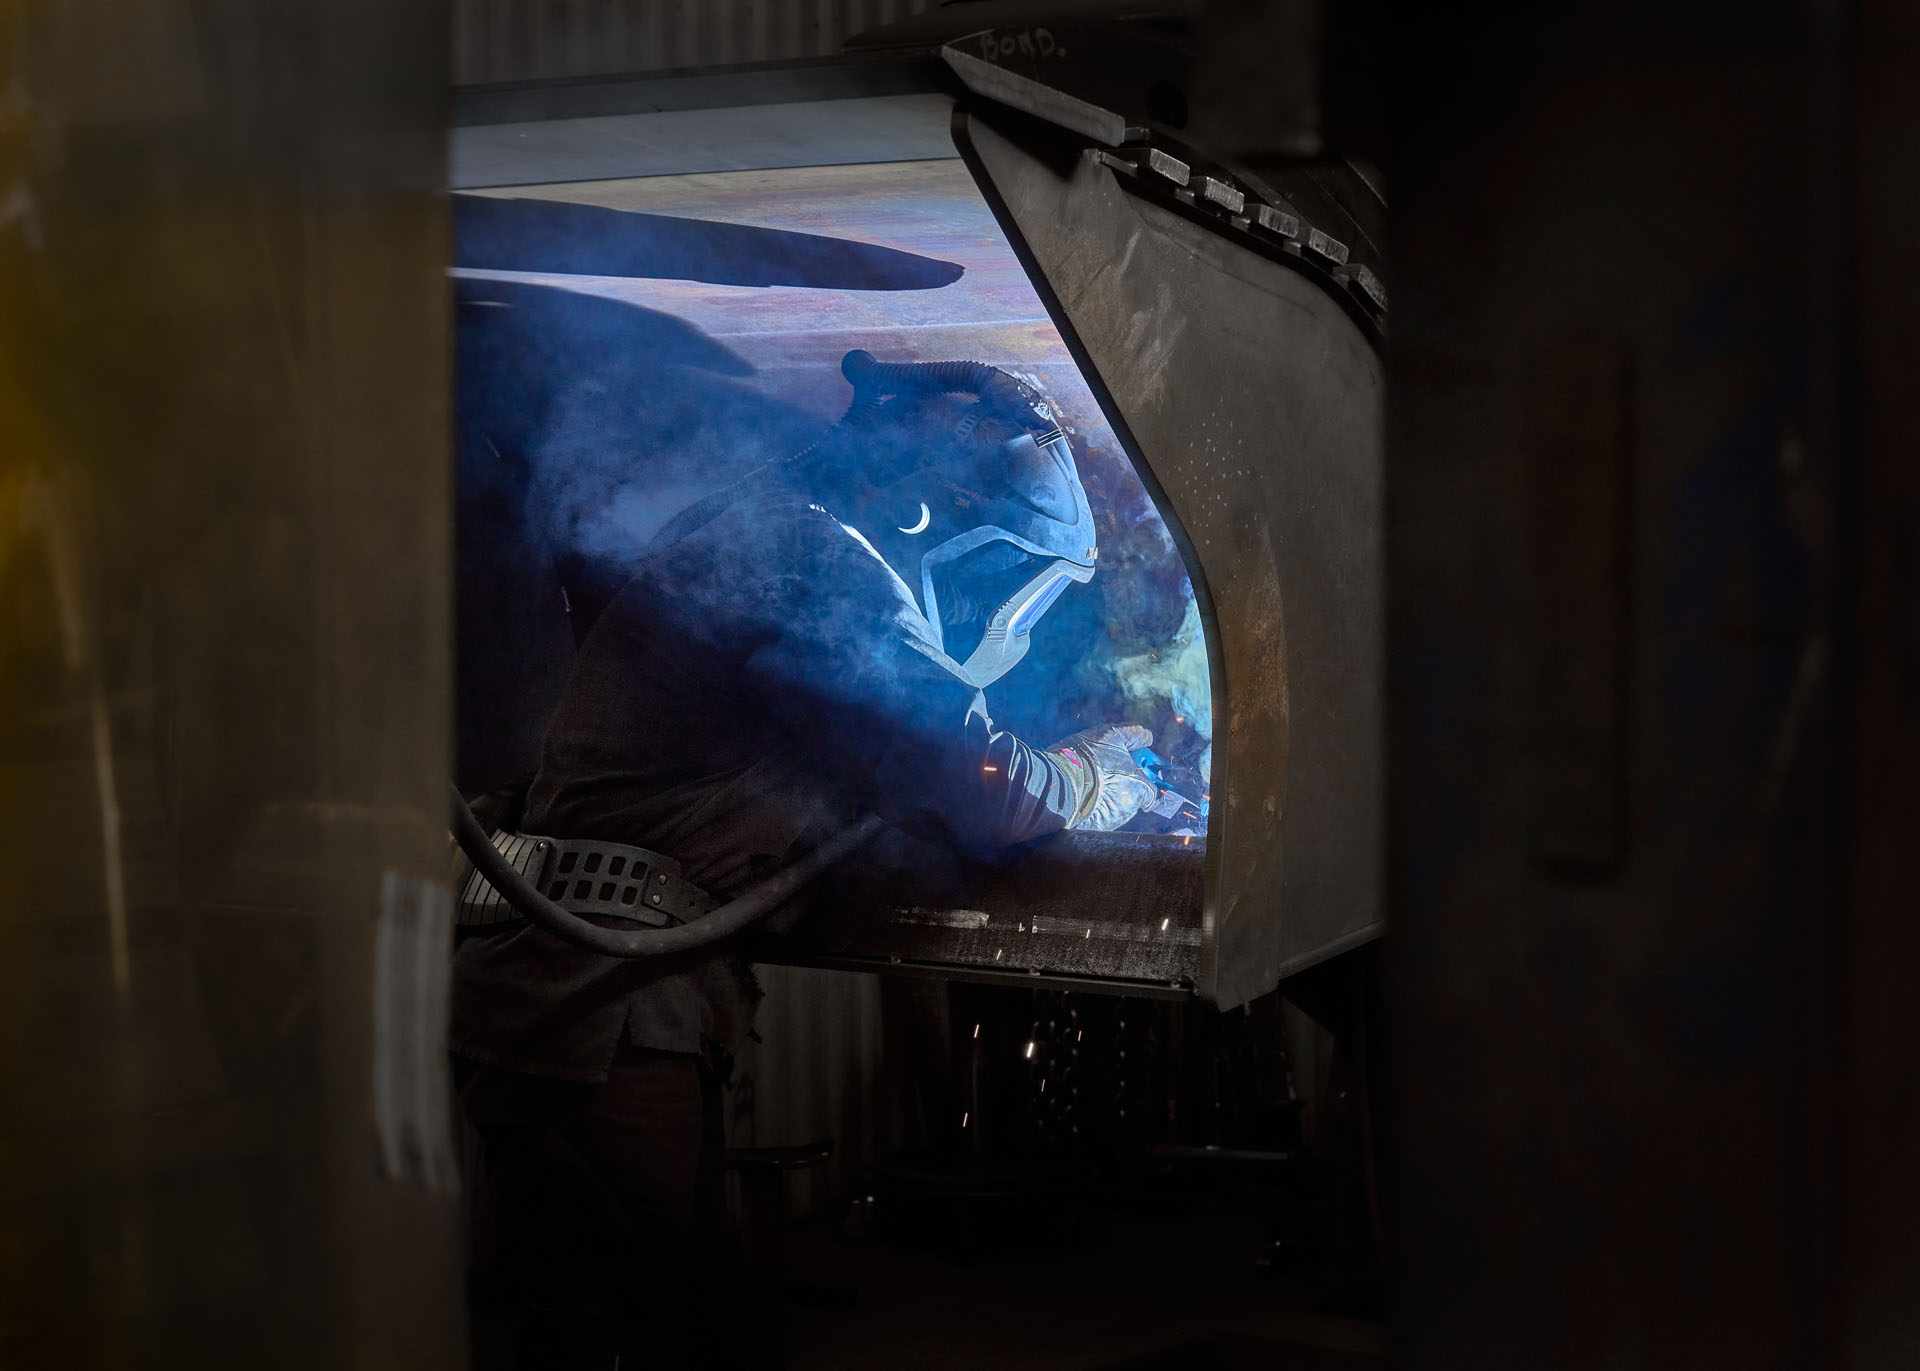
pixel 1110 785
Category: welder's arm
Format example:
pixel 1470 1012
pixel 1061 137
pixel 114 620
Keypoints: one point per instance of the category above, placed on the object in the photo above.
pixel 848 664
pixel 909 737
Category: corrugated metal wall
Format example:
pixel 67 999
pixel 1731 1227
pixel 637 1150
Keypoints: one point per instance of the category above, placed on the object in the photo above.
pixel 526 40
pixel 817 1072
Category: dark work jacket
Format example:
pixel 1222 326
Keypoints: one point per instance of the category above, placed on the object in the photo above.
pixel 754 687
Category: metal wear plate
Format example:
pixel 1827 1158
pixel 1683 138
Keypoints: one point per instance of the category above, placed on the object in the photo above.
pixel 1253 400
pixel 1116 910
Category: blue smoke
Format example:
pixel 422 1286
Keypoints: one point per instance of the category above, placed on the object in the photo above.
pixel 586 423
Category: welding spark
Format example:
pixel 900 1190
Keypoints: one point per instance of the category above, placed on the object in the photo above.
pixel 1029 1049
pixel 1164 922
pixel 1186 840
pixel 1087 934
pixel 964 1116
pixel 976 1030
pixel 989 768
pixel 997 951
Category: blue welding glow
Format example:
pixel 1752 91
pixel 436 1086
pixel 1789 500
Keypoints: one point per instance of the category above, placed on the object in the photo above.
pixel 1031 611
pixel 607 404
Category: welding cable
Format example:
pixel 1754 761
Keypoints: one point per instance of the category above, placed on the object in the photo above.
pixel 722 922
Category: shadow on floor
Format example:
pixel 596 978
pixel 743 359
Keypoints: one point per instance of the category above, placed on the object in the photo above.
pixel 1240 1352
pixel 1147 1291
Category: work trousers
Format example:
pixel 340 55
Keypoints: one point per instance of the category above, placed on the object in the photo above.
pixel 599 1215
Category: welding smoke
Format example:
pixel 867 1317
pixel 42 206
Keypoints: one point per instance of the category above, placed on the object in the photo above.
pixel 1175 678
pixel 602 419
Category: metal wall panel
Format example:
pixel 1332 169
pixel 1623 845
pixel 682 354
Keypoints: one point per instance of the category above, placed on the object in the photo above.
pixel 1881 1254
pixel 531 40
pixel 224 687
pixel 816 1072
pixel 1618 722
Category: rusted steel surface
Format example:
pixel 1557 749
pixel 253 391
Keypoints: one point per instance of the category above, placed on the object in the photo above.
pixel 792 337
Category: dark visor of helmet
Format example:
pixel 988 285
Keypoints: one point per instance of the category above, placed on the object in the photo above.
pixel 972 586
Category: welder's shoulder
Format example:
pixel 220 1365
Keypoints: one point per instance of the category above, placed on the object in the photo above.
pixel 781 536
pixel 743 540
pixel 764 567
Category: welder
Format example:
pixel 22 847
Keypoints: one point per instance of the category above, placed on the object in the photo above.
pixel 811 644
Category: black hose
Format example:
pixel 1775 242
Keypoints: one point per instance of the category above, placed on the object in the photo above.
pixel 866 372
pixel 990 384
pixel 722 922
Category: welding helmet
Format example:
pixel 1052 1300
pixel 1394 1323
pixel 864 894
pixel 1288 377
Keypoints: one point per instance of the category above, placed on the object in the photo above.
pixel 970 492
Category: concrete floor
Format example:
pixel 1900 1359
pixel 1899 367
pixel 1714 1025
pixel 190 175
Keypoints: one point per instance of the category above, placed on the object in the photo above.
pixel 1150 1290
